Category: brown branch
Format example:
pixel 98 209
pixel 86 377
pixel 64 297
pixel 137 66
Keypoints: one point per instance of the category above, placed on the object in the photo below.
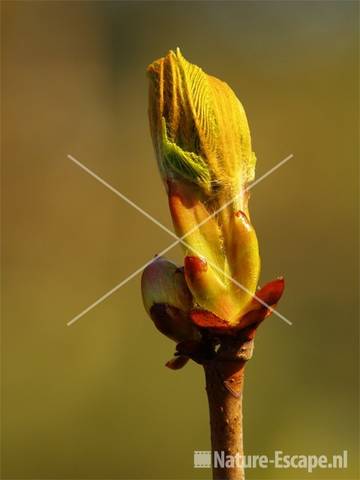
pixel 224 386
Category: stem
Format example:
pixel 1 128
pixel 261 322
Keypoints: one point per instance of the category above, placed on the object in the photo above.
pixel 224 385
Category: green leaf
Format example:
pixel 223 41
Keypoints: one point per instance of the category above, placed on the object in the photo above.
pixel 179 162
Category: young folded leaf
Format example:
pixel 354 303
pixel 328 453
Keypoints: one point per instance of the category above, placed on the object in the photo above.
pixel 203 146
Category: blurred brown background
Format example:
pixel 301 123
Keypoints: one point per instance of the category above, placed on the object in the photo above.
pixel 94 400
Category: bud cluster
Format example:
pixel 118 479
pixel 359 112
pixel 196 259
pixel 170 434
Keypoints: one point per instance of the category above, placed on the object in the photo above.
pixel 203 147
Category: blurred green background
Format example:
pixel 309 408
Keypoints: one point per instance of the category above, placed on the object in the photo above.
pixel 94 400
